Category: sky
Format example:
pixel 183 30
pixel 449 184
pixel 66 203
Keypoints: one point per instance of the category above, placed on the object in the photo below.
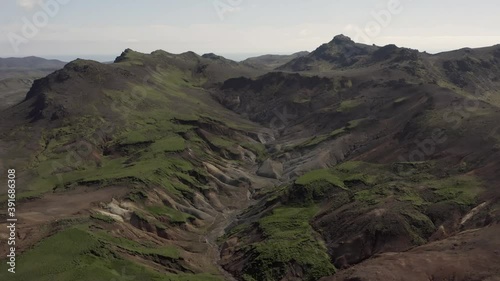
pixel 102 29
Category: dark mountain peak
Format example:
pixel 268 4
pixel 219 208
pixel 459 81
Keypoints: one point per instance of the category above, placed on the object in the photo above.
pixel 341 45
pixel 391 47
pixel 385 52
pixel 340 52
pixel 395 54
pixel 212 56
pixel 82 65
pixel 161 53
pixel 189 55
pixel 301 54
pixel 124 55
pixel 342 39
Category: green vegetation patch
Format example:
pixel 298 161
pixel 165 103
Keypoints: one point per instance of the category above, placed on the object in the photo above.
pixel 336 133
pixel 321 138
pixel 289 240
pixel 221 142
pixel 348 105
pixel 191 277
pixel 337 176
pixel 169 144
pixel 318 185
pixel 145 168
pixel 102 217
pixel 174 215
pixel 355 123
pixel 136 248
pixel 462 190
pixel 400 200
pixel 320 175
pixel 257 148
pixel 74 254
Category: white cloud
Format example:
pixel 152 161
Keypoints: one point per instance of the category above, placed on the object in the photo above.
pixel 225 38
pixel 28 4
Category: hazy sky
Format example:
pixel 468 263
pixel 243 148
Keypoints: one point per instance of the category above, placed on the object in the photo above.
pixel 234 28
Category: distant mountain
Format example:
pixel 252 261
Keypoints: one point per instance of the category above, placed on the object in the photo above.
pixel 272 61
pixel 352 162
pixel 342 52
pixel 29 63
pixel 17 76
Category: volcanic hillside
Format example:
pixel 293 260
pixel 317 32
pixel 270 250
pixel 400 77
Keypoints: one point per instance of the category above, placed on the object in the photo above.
pixel 352 162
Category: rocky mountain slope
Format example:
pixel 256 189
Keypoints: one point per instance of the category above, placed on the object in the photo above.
pixel 352 162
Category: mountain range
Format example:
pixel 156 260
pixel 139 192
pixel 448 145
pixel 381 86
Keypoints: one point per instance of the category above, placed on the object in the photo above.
pixel 352 162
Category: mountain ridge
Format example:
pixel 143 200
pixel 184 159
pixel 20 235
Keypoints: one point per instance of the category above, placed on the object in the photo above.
pixel 29 62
